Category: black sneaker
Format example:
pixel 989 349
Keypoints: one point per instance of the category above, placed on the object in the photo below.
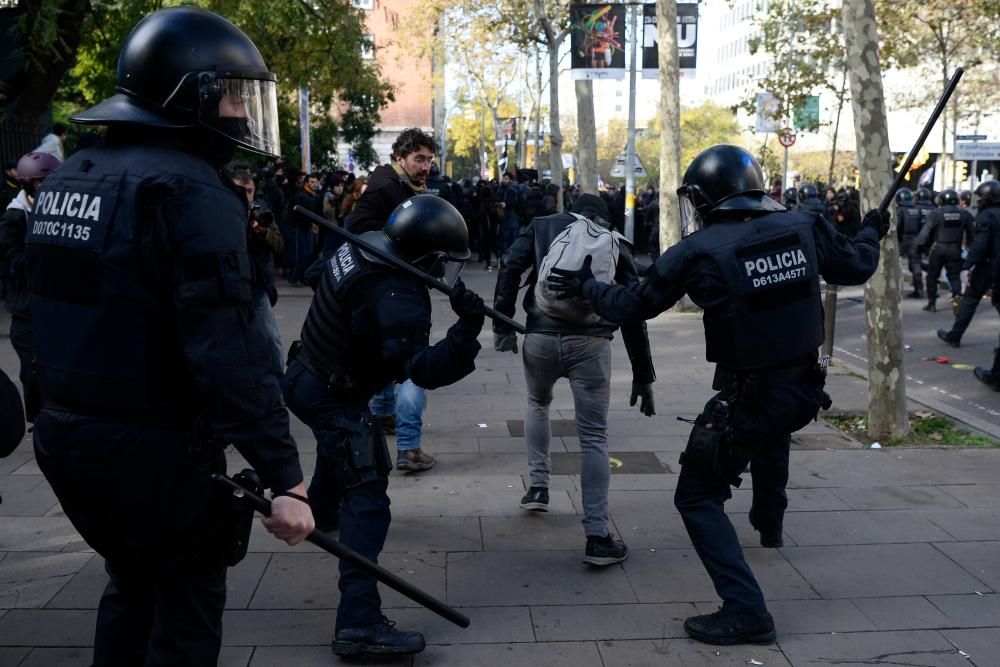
pixel 381 638
pixel 536 499
pixel 948 338
pixel 727 627
pixel 931 307
pixel 987 378
pixel 603 551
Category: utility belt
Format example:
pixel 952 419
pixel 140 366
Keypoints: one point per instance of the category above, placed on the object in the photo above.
pixel 339 382
pixel 743 384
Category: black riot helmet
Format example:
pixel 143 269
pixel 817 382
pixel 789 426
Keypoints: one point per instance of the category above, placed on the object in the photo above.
pixel 808 191
pixel 185 67
pixel 722 179
pixel 965 197
pixel 904 197
pixel 988 194
pixel 948 198
pixel 429 233
pixel 923 196
pixel 790 197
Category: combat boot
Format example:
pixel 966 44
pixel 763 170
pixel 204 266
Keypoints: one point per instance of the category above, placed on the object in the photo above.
pixel 728 626
pixel 380 638
pixel 986 377
pixel 931 307
pixel 948 338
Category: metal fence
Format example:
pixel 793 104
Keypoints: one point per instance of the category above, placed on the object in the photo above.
pixel 19 137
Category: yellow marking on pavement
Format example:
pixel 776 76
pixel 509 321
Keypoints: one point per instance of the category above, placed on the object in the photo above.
pixel 614 463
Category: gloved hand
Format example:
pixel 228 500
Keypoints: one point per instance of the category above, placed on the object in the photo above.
pixel 878 220
pixel 505 342
pixel 570 283
pixel 468 306
pixel 644 392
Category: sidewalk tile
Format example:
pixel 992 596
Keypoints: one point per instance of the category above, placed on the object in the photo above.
pixel 47 627
pixel 313 656
pixel 981 644
pixel 532 531
pixel 13 656
pixel 687 652
pixel 897 498
pixel 903 613
pixel 557 654
pixel 968 525
pixel 861 527
pixel 979 559
pixel 433 533
pixel 26 495
pixel 854 649
pixel 975 495
pixel 274 627
pixel 880 570
pixel 610 621
pixel 813 616
pixel 970 611
pixel 799 500
pixel 36 534
pixel 465 494
pixel 533 578
pixel 488 625
pixel 29 580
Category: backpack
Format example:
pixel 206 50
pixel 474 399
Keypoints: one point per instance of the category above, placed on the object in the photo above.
pixel 567 251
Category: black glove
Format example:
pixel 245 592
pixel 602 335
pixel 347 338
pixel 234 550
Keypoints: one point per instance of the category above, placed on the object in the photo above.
pixel 468 306
pixel 505 342
pixel 570 283
pixel 879 220
pixel 644 392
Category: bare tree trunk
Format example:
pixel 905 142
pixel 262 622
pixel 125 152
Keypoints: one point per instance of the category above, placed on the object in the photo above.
pixel 586 148
pixel 887 415
pixel 836 125
pixel 670 124
pixel 538 116
pixel 555 134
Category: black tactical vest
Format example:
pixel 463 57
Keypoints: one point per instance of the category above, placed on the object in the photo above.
pixel 910 221
pixel 106 339
pixel 773 313
pixel 950 225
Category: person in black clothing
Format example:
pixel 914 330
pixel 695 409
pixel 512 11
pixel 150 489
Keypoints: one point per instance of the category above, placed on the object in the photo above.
pixel 754 268
pixel 148 356
pixel 982 262
pixel 487 221
pixel 944 230
pixel 11 186
pixel 303 232
pixel 809 201
pixel 908 225
pixel 369 323
pixel 847 220
pixel 32 170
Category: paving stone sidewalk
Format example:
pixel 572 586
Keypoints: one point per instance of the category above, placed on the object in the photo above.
pixel 892 556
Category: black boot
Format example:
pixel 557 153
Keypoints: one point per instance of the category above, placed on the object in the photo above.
pixel 382 638
pixel 947 337
pixel 986 377
pixel 727 627
pixel 931 307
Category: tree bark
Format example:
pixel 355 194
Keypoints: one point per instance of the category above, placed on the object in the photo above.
pixel 887 416
pixel 587 141
pixel 836 126
pixel 555 134
pixel 670 123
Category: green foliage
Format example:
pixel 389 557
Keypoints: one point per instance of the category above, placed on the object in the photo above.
pixel 928 430
pixel 702 127
pixel 314 44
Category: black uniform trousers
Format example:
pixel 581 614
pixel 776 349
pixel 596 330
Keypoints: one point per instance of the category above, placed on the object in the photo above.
pixel 980 280
pixel 948 256
pixel 364 508
pixel 913 261
pixel 140 497
pixel 21 340
pixel 762 424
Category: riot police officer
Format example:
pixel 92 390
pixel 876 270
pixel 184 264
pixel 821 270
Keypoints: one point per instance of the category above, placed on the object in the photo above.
pixel 790 197
pixel 754 268
pixel 982 262
pixel 809 201
pixel 368 325
pixel 944 230
pixel 908 225
pixel 147 352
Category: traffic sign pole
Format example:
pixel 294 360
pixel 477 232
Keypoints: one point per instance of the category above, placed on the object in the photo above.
pixel 630 147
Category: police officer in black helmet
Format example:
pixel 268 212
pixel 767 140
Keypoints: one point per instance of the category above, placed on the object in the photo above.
pixel 147 353
pixel 944 230
pixel 908 225
pixel 754 268
pixel 369 324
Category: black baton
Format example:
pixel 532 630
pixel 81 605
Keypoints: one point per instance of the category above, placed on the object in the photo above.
pixel 945 96
pixel 335 547
pixel 427 278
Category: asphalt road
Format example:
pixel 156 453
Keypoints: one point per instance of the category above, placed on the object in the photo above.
pixel 948 386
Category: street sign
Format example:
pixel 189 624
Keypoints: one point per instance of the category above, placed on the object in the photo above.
pixel 970 137
pixel 618 171
pixel 787 137
pixel 979 150
pixel 806 117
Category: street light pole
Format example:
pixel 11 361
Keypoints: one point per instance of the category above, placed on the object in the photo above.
pixel 630 146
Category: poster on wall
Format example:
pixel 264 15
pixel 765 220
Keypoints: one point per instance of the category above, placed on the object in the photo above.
pixel 597 41
pixel 687 41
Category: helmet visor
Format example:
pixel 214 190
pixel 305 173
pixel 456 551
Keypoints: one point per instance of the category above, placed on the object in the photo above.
pixel 691 220
pixel 446 269
pixel 246 111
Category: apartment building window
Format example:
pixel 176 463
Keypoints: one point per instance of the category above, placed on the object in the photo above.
pixel 368 47
pixel 363 4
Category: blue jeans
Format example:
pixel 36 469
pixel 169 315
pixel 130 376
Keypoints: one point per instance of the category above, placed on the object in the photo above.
pixel 586 362
pixel 364 509
pixel 408 407
pixel 761 434
pixel 262 306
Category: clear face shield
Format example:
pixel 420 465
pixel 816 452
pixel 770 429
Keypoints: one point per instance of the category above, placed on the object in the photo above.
pixel 446 269
pixel 691 220
pixel 243 109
